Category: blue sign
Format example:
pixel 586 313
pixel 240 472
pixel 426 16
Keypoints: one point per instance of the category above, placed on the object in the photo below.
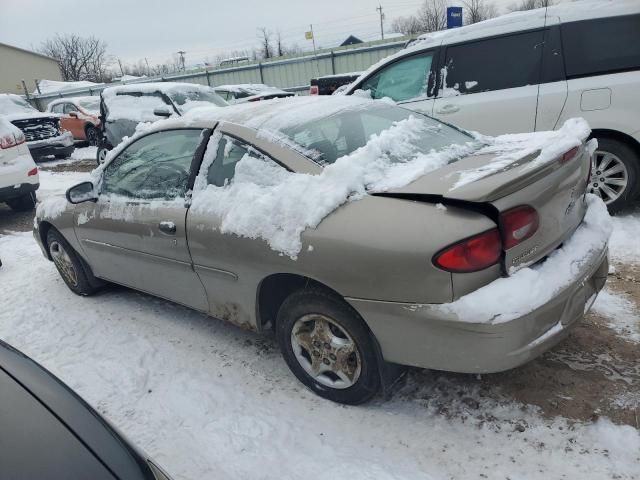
pixel 454 17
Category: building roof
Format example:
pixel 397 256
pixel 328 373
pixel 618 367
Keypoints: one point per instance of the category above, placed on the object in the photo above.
pixel 2 44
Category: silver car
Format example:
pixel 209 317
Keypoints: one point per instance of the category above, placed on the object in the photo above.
pixel 399 275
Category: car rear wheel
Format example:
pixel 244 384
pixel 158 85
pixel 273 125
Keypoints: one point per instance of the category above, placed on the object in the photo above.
pixel 24 203
pixel 614 173
pixel 68 264
pixel 328 347
pixel 92 135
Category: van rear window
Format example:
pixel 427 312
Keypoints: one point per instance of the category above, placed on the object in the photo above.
pixel 601 46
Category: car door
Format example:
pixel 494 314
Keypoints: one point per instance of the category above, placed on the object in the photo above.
pixel 134 234
pixel 409 81
pixel 491 85
pixel 72 121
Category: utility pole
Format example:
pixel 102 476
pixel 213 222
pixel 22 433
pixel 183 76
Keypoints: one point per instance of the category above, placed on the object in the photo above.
pixel 121 70
pixel 313 37
pixel 181 53
pixel 148 69
pixel 379 9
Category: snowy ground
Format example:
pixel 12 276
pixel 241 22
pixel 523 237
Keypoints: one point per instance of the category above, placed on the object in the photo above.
pixel 208 400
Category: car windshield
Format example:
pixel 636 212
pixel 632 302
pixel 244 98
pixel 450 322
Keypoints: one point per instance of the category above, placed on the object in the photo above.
pixel 90 103
pixel 14 104
pixel 341 133
pixel 183 97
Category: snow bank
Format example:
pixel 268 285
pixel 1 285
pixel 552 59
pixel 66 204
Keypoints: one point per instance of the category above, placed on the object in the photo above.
pixel 546 146
pixel 529 288
pixel 624 245
pixel 266 201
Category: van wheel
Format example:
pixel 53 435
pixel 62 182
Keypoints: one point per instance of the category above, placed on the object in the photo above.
pixel 614 173
pixel 24 203
pixel 68 264
pixel 328 347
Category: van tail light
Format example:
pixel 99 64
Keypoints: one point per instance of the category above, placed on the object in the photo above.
pixel 313 90
pixel 569 155
pixel 519 224
pixel 471 255
pixel 32 172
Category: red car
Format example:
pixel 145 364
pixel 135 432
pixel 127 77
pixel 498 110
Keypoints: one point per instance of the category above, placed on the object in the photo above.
pixel 80 116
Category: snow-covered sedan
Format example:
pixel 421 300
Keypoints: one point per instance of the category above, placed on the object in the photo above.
pixel 18 172
pixel 123 108
pixel 42 131
pixel 250 92
pixel 363 233
pixel 79 115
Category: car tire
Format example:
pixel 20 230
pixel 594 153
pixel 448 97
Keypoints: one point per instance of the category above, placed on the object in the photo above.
pixel 25 203
pixel 102 153
pixel 328 347
pixel 623 164
pixel 92 135
pixel 69 265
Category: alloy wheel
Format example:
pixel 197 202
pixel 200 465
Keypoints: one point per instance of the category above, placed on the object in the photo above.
pixel 63 262
pixel 609 176
pixel 326 351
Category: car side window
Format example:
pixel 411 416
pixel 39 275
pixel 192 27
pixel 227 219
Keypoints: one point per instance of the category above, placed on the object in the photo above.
pixel 69 107
pixel 405 79
pixel 156 166
pixel 230 151
pixel 57 108
pixel 495 64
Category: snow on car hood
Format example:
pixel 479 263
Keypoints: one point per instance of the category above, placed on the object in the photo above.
pixel 27 115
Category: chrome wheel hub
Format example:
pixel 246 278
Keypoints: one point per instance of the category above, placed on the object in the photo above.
pixel 609 176
pixel 102 155
pixel 326 351
pixel 63 263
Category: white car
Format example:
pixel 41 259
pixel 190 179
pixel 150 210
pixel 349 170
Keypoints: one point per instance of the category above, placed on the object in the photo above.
pixel 250 92
pixel 531 71
pixel 18 172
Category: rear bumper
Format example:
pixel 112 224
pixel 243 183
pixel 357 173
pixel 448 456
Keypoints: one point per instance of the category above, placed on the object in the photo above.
pixel 47 150
pixel 16 191
pixel 423 336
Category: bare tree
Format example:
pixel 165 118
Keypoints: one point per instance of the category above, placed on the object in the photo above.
pixel 479 10
pixel 531 4
pixel 280 48
pixel 432 15
pixel 406 25
pixel 265 40
pixel 80 58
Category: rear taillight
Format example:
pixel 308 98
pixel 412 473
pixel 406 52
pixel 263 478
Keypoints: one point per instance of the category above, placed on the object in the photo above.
pixel 19 136
pixel 313 90
pixel 32 172
pixel 7 141
pixel 518 224
pixel 470 255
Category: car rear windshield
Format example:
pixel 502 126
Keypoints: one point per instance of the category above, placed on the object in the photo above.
pixel 90 103
pixel 184 96
pixel 337 135
pixel 14 104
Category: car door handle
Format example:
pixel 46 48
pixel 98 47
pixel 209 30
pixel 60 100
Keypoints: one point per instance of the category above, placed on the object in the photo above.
pixel 449 108
pixel 167 227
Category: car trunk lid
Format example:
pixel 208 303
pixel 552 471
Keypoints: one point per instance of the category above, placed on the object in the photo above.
pixel 555 188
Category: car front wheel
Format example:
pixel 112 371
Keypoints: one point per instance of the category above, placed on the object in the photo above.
pixel 68 264
pixel 101 154
pixel 328 347
pixel 92 135
pixel 615 173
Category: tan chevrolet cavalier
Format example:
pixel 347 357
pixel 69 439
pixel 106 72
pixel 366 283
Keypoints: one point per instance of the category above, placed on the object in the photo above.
pixel 364 234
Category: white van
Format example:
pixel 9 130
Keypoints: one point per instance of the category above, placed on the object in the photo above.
pixel 530 71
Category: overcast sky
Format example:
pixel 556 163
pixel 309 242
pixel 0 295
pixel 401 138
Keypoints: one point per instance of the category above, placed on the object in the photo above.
pixel 135 29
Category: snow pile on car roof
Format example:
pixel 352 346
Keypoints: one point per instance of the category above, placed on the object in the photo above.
pixel 52 86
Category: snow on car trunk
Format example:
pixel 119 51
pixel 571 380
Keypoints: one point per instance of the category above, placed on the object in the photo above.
pixel 207 400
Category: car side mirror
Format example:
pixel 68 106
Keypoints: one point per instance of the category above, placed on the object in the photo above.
pixel 73 114
pixel 162 112
pixel 83 192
